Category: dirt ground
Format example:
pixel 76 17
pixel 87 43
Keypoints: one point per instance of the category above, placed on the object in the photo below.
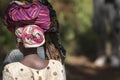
pixel 80 68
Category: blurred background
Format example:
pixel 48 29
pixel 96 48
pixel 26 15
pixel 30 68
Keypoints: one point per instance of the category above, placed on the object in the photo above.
pixel 78 37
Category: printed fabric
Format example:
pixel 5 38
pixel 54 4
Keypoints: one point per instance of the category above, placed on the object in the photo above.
pixel 30 36
pixel 53 71
pixel 19 15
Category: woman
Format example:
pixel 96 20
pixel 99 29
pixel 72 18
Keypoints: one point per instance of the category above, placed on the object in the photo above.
pixel 29 31
pixel 52 43
pixel 24 12
pixel 32 67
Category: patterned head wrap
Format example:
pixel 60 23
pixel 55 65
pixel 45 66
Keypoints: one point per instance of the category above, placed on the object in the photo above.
pixel 30 36
pixel 30 1
pixel 18 15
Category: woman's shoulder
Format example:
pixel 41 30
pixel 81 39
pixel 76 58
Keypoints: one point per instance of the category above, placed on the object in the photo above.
pixel 16 70
pixel 54 61
pixel 14 66
pixel 11 64
pixel 10 68
pixel 55 64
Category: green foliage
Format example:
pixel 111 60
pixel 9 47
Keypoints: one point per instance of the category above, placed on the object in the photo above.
pixel 76 26
pixel 3 5
pixel 7 40
pixel 83 11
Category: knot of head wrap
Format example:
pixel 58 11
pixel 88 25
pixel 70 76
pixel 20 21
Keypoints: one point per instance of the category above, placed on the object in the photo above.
pixel 30 35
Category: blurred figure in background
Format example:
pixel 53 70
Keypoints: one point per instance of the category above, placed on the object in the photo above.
pixel 106 16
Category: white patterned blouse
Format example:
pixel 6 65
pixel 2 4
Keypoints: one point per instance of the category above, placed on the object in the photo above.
pixel 17 71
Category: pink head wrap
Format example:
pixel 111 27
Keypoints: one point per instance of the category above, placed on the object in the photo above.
pixel 20 15
pixel 30 36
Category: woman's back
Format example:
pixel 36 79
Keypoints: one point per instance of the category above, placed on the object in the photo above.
pixel 17 71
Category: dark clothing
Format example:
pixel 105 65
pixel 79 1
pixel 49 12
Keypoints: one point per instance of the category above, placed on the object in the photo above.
pixel 106 24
